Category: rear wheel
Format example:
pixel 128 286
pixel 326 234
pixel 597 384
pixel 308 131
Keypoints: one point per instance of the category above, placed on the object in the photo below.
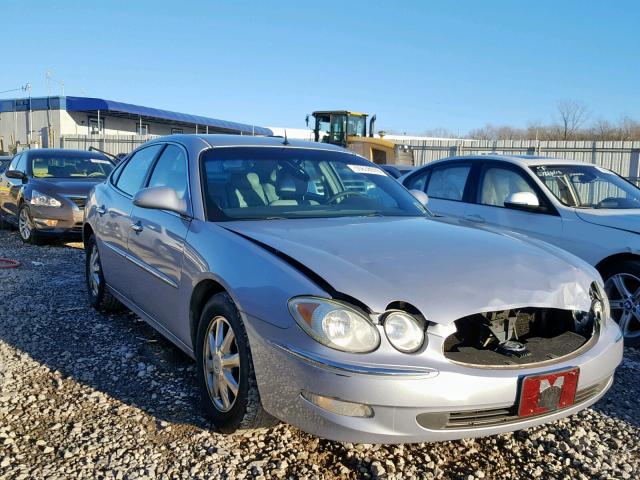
pixel 26 227
pixel 99 296
pixel 622 286
pixel 225 372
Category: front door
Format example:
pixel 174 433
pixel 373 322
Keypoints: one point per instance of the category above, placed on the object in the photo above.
pixel 156 245
pixel 496 183
pixel 114 218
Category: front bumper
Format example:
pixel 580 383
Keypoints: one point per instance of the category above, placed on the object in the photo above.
pixel 57 220
pixel 410 407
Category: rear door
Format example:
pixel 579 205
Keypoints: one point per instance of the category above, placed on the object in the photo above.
pixel 114 217
pixel 495 182
pixel 445 184
pixel 156 244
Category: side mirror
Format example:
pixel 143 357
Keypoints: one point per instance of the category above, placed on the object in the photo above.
pixel 15 174
pixel 522 201
pixel 160 198
pixel 420 196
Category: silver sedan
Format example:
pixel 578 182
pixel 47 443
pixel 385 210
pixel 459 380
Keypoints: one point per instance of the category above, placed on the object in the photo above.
pixel 311 287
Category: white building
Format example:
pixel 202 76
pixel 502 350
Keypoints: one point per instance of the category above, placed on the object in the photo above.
pixel 49 121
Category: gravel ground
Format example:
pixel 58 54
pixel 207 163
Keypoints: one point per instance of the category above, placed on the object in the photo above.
pixel 84 395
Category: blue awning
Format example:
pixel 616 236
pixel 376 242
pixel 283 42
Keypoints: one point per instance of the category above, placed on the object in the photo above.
pixel 85 104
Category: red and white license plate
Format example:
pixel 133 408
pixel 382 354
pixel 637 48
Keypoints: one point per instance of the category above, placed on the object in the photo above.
pixel 545 393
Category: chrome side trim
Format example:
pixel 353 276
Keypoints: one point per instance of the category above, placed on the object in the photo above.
pixel 347 369
pixel 116 250
pixel 141 264
pixel 152 271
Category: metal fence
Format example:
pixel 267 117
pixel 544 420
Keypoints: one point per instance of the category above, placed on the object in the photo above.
pixel 621 157
pixel 113 144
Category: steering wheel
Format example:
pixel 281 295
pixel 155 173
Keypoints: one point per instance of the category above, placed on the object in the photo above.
pixel 95 174
pixel 346 193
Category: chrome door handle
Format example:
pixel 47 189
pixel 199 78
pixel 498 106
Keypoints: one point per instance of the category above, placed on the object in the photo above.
pixel 474 218
pixel 101 210
pixel 137 227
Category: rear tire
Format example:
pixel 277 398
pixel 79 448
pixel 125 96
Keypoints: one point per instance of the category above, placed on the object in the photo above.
pixel 26 227
pixel 99 296
pixel 225 373
pixel 622 285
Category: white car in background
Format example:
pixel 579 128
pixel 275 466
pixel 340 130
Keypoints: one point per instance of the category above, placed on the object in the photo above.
pixel 585 209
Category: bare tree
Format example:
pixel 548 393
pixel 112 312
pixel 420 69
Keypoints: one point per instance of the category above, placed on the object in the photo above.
pixel 572 116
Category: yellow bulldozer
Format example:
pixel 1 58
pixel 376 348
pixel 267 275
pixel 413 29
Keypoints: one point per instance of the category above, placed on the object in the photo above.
pixel 349 129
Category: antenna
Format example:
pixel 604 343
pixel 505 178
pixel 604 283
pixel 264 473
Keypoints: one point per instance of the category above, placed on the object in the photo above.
pixel 286 140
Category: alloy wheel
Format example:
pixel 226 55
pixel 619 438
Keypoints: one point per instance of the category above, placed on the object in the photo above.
pixel 94 271
pixel 25 226
pixel 221 364
pixel 623 290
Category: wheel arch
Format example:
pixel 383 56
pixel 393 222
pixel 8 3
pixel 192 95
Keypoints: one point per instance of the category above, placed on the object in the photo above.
pixel 201 294
pixel 612 259
pixel 87 231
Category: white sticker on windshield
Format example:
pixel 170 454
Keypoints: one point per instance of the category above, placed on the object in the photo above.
pixel 365 169
pixel 95 160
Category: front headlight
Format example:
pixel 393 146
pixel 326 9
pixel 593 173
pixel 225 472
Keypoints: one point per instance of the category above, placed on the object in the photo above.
pixel 404 331
pixel 42 200
pixel 335 324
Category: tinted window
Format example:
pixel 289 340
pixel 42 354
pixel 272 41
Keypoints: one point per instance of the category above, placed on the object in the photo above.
pixel 135 171
pixel 171 171
pixel 448 182
pixel 499 183
pixel 417 182
pixel 14 162
pixel 22 164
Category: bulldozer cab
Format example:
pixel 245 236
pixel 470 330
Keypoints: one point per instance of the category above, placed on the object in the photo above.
pixel 337 126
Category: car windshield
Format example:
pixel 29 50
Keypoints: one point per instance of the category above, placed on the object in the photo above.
pixel 269 183
pixel 4 164
pixel 67 166
pixel 588 186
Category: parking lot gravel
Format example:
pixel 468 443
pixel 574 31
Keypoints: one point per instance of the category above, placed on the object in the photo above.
pixel 84 395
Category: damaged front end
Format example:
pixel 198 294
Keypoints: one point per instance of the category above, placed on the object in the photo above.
pixel 523 336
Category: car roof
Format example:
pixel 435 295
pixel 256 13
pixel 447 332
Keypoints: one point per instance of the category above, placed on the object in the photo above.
pixel 225 140
pixel 521 160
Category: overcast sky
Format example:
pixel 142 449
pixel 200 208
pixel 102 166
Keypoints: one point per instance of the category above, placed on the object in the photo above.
pixel 417 64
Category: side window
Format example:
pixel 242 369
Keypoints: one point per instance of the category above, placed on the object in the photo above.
pixel 171 171
pixel 418 182
pixel 135 171
pixel 22 164
pixel 448 183
pixel 14 162
pixel 498 183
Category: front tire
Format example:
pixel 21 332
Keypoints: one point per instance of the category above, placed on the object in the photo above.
pixel 622 286
pixel 26 227
pixel 225 371
pixel 99 296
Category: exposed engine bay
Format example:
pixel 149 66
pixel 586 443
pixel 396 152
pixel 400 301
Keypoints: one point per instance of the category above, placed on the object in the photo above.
pixel 519 337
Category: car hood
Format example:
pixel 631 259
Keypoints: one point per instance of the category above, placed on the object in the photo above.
pixel 446 271
pixel 627 219
pixel 65 186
